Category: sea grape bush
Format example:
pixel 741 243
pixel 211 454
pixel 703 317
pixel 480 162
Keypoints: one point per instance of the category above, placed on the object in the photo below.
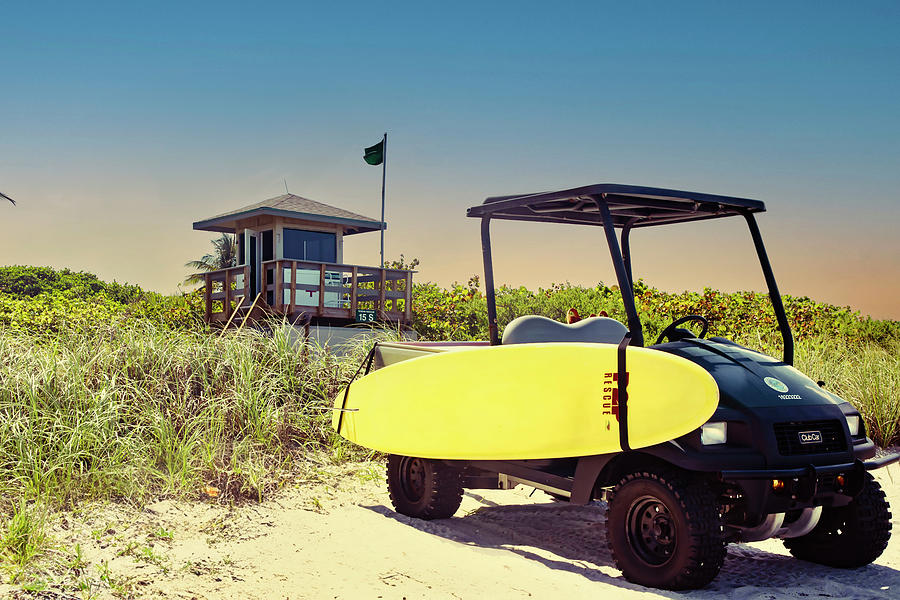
pixel 39 298
pixel 459 312
pixel 22 281
pixel 42 300
pixel 52 311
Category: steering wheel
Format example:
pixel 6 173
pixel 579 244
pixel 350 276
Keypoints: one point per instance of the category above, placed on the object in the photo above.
pixel 668 331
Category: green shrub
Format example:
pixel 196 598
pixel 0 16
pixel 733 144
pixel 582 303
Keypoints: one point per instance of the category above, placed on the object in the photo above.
pixel 42 300
pixel 459 312
pixel 22 281
pixel 51 311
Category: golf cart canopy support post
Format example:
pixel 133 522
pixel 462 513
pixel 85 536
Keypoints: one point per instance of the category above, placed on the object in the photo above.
pixel 489 280
pixel 780 315
pixel 623 206
pixel 622 274
pixel 626 249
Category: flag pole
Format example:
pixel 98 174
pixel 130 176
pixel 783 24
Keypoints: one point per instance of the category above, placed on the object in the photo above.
pixel 383 178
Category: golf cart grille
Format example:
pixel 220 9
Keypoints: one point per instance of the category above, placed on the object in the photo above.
pixel 810 437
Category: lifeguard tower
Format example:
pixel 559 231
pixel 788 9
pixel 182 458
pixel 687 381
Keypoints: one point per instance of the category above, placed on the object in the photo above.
pixel 290 253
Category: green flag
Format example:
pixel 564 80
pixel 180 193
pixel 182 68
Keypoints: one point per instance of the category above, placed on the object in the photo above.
pixel 374 155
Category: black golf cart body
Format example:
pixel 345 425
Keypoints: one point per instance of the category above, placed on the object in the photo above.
pixel 791 447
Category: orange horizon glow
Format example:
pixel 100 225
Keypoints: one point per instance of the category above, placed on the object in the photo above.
pixel 136 246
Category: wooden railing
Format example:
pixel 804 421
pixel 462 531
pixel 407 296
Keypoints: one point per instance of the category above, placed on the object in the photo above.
pixel 224 290
pixel 326 290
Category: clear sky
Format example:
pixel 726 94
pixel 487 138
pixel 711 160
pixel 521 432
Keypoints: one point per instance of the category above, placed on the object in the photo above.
pixel 122 123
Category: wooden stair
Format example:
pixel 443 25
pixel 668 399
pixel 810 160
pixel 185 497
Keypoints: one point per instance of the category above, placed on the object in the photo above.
pixel 260 310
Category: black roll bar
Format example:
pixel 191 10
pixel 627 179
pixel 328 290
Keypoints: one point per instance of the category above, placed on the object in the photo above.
pixel 621 258
pixel 774 295
pixel 625 287
pixel 493 331
pixel 626 249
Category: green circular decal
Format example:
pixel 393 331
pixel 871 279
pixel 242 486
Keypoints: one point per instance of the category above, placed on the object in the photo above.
pixel 776 384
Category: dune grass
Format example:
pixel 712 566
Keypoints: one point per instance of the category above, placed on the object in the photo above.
pixel 865 374
pixel 139 411
pixel 23 538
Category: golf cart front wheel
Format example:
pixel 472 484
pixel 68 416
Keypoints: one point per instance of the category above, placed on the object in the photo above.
pixel 848 536
pixel 665 531
pixel 423 488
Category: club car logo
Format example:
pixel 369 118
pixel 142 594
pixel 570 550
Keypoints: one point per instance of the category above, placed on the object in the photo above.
pixel 776 384
pixel 611 394
pixel 810 437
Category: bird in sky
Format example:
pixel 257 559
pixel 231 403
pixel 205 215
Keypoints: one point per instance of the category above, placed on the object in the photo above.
pixel 4 196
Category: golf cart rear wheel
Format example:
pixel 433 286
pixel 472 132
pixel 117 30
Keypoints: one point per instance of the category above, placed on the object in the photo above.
pixel 665 531
pixel 423 488
pixel 849 536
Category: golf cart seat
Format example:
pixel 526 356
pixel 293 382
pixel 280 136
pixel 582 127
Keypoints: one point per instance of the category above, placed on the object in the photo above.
pixel 531 329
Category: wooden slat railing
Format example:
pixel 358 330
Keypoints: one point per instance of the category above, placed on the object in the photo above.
pixel 223 290
pixel 328 290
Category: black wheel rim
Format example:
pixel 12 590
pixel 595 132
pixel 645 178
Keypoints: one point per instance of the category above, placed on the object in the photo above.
pixel 833 524
pixel 651 530
pixel 412 478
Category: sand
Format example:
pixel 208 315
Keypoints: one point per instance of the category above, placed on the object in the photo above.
pixel 339 538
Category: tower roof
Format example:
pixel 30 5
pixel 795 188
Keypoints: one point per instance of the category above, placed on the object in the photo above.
pixel 297 207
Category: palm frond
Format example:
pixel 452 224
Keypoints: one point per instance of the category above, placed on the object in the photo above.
pixel 194 278
pixel 206 263
pixel 224 255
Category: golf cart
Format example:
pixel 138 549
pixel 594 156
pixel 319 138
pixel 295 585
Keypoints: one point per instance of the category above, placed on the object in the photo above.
pixel 780 457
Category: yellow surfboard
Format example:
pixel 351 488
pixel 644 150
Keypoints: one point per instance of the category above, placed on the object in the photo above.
pixel 523 401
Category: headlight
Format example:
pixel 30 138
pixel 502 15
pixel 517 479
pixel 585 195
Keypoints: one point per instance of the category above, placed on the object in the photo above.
pixel 713 433
pixel 853 424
